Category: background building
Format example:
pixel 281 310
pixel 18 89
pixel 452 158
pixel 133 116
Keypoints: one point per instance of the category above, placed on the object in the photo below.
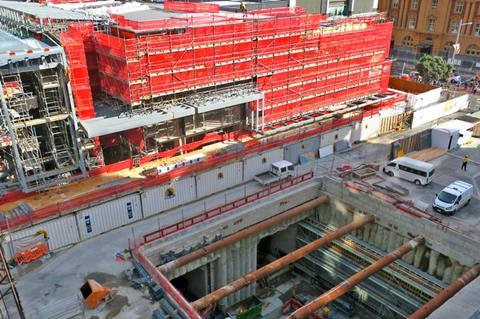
pixel 431 26
pixel 338 7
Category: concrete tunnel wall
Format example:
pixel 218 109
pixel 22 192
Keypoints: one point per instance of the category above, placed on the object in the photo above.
pixel 446 254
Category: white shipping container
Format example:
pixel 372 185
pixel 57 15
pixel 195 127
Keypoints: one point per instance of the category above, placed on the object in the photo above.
pixel 339 134
pixel 62 232
pixel 104 217
pixel 219 179
pixel 167 196
pixel 260 163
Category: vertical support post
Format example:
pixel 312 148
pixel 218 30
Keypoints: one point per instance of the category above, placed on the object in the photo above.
pixel 256 116
pixel 263 114
pixel 18 161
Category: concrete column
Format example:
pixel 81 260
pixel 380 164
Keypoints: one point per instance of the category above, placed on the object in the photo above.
pixel 418 256
pixel 366 232
pixel 379 236
pixel 441 266
pixel 373 232
pixel 392 238
pixel 385 238
pixel 409 256
pixel 458 270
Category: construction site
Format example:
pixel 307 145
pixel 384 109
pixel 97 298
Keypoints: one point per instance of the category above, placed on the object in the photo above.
pixel 189 160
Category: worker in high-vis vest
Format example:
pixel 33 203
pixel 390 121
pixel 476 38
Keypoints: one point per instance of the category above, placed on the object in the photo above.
pixel 243 8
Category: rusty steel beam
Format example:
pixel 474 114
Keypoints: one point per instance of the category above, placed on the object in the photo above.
pixel 354 280
pixel 292 257
pixel 446 293
pixel 204 251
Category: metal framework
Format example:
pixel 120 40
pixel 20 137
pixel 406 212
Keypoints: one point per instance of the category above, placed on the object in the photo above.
pixel 10 305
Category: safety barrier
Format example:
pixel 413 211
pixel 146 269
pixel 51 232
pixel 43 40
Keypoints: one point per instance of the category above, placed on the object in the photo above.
pixel 220 210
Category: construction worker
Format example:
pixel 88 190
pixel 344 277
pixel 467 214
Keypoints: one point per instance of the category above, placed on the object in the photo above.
pixel 243 8
pixel 465 162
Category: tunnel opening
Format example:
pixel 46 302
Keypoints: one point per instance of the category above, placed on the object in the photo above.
pixel 192 285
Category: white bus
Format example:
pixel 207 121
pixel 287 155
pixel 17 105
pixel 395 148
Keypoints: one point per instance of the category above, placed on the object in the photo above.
pixel 418 172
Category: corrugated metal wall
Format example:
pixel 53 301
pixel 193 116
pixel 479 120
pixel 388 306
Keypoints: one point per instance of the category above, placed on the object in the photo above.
pixel 159 199
pixel 336 135
pixel 260 163
pixel 219 179
pixel 62 232
pixel 107 216
pixel 293 151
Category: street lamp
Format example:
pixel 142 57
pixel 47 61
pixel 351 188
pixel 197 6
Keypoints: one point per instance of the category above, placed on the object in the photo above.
pixel 456 46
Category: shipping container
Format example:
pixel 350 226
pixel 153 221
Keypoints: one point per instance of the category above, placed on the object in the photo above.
pixel 260 163
pixel 62 232
pixel 167 196
pixel 293 151
pixel 339 134
pixel 105 217
pixel 219 179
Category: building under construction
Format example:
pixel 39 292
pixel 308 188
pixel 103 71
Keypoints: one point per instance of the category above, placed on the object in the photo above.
pixel 161 117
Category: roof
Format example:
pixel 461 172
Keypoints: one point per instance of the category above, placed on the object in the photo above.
pixel 412 161
pixel 42 11
pixel 13 48
pixel 455 125
pixel 282 163
pixel 458 187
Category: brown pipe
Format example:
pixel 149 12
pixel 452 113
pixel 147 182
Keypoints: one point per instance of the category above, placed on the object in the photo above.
pixel 168 267
pixel 446 293
pixel 292 257
pixel 354 280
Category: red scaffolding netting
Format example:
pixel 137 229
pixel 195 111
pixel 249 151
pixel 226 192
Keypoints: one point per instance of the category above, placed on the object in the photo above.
pixel 300 62
pixel 78 74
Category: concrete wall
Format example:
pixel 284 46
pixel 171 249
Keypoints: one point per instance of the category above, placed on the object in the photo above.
pixel 446 253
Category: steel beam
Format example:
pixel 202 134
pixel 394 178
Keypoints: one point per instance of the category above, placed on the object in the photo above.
pixel 446 293
pixel 267 270
pixel 204 251
pixel 354 280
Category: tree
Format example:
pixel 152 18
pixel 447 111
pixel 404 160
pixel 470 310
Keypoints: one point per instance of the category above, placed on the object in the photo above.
pixel 433 68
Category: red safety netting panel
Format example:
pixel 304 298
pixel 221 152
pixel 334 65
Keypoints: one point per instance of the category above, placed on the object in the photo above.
pixel 78 75
pixel 185 6
pixel 300 62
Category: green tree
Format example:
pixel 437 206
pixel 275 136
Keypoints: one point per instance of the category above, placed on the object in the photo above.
pixel 433 68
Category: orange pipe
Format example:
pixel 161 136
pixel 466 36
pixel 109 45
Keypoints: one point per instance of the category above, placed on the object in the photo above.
pixel 446 293
pixel 354 280
pixel 292 257
pixel 168 267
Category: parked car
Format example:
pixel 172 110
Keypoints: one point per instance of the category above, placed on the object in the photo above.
pixel 412 170
pixel 453 197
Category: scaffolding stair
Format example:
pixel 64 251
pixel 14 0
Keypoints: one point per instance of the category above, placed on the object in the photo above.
pixel 49 90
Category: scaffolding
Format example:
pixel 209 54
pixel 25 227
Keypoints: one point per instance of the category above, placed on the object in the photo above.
pixel 10 305
pixel 301 63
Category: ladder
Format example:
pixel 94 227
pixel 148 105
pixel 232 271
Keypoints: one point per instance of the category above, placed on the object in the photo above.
pixel 49 85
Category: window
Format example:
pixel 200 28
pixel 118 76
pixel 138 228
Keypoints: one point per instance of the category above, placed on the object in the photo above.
pixel 473 49
pixel 283 170
pixel 476 32
pixel 407 41
pixel 431 172
pixel 454 26
pixel 431 24
pixel 411 23
pixel 448 46
pixel 412 170
pixel 395 3
pixel 459 7
pixel 414 5
pixel 434 4
pixel 392 164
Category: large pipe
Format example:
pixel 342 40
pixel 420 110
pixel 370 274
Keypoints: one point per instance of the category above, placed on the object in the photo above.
pixel 446 293
pixel 351 282
pixel 168 267
pixel 292 257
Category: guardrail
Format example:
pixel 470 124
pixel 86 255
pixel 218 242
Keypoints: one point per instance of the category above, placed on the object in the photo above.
pixel 220 210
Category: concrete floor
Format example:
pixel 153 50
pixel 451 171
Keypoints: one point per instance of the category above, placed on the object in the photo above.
pixel 61 275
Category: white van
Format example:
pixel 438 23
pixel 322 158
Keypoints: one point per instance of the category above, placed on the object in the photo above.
pixel 418 172
pixel 453 197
